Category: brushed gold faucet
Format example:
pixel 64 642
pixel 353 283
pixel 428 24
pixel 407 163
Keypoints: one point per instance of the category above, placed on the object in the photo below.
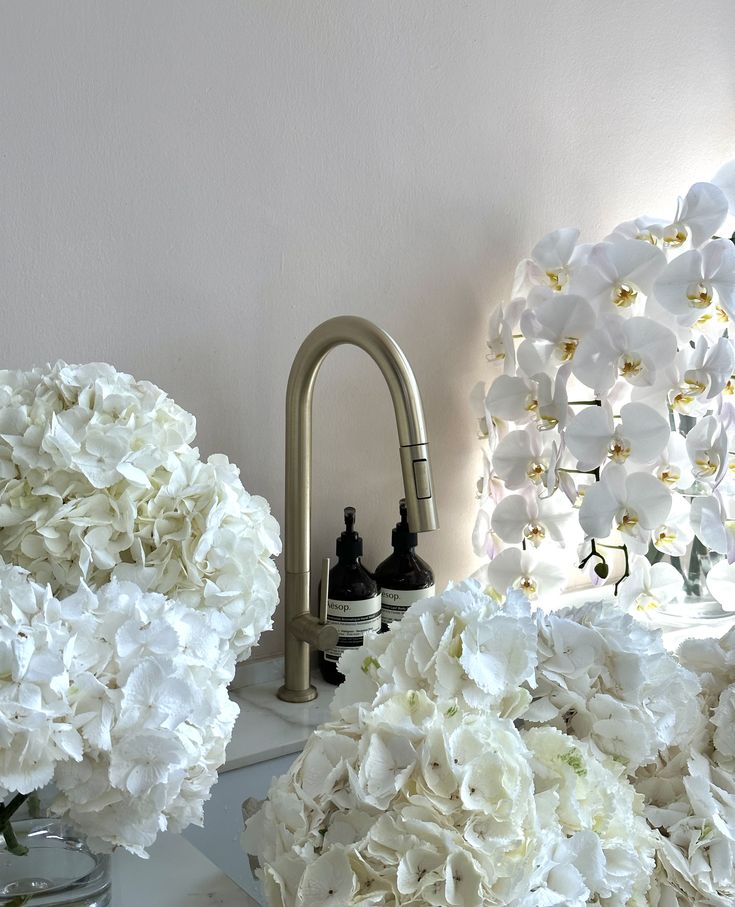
pixel 304 629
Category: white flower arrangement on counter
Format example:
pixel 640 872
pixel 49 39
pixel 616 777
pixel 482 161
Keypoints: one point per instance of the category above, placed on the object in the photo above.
pixel 133 577
pixel 98 479
pixel 120 698
pixel 482 754
pixel 613 424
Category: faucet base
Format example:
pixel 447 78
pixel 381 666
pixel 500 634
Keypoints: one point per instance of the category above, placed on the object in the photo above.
pixel 307 695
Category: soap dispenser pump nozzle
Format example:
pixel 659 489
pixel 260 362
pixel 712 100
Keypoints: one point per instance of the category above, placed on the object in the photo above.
pixel 402 538
pixel 349 519
pixel 349 544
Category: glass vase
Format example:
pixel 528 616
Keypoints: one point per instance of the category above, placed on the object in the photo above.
pixel 696 612
pixel 696 602
pixel 59 869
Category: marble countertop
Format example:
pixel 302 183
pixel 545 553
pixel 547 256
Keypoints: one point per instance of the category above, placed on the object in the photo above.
pixel 176 875
pixel 267 727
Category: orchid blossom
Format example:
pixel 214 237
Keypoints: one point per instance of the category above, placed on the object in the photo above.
pixel 633 504
pixel 616 405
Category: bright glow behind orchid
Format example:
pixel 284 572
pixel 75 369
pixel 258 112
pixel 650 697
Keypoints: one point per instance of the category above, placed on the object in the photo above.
pixel 614 408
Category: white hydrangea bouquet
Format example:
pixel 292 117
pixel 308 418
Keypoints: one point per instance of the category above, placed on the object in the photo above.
pixel 612 425
pixel 482 754
pixel 133 577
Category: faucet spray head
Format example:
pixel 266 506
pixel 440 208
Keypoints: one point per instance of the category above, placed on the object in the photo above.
pixel 419 488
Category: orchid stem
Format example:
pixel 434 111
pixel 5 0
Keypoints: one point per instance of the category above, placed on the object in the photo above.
pixel 593 553
pixel 626 572
pixel 601 569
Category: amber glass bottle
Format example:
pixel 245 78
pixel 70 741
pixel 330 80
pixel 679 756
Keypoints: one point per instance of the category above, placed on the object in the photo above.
pixel 353 599
pixel 403 577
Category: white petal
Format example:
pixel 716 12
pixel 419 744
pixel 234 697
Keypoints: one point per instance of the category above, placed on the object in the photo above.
pixel 510 518
pixel 549 573
pixel 637 263
pixel 674 535
pixel 650 499
pixel 718 260
pixel 712 366
pixel 704 211
pixel 512 459
pixel 707 447
pixel 672 286
pixel 654 342
pixel 481 535
pixel 725 179
pixel 560 318
pixel 721 583
pixel 708 525
pixel 594 362
pixel 588 435
pixel 597 511
pixel 500 341
pixel 720 363
pixel 628 262
pixel 463 881
pixel 504 570
pixel 615 477
pixel 635 583
pixel 328 881
pixel 555 249
pixel 647 431
pixel 507 398
pixel 594 281
pixel 534 356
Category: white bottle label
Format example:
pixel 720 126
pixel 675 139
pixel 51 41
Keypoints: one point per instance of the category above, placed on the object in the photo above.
pixel 397 601
pixel 353 620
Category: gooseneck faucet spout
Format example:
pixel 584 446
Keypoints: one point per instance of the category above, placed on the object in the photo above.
pixel 302 627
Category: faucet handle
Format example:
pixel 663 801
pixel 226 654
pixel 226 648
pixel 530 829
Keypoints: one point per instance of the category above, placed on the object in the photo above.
pixel 315 630
pixel 324 593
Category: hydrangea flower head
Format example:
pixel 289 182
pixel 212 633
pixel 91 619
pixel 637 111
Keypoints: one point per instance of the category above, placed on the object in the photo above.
pixel 98 479
pixel 131 735
pixel 475 758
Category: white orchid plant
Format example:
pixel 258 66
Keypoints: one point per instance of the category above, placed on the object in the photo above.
pixel 133 576
pixel 491 754
pixel 612 425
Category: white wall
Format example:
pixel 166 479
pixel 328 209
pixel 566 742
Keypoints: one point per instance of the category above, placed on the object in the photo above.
pixel 187 187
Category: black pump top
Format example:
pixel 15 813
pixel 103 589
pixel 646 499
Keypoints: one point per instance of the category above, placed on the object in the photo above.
pixel 403 539
pixel 349 544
